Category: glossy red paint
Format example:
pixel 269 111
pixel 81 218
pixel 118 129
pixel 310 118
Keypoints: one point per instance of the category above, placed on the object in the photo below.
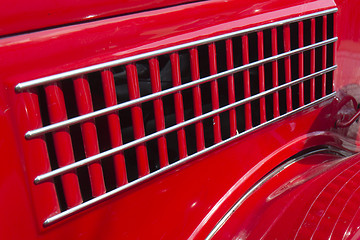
pixel 62 139
pixel 25 16
pixel 138 33
pixel 275 74
pixel 201 194
pixel 114 126
pixel 158 111
pixel 348 48
pixel 178 101
pixel 316 197
pixel 186 202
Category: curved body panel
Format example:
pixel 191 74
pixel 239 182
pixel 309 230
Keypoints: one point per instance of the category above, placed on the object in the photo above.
pixel 132 120
pixel 27 16
pixel 312 197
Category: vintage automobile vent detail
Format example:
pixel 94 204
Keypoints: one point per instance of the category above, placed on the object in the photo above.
pixel 110 126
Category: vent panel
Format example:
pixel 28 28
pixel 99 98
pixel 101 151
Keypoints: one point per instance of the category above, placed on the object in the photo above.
pixel 111 126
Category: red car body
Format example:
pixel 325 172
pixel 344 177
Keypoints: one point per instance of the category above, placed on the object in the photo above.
pixel 221 169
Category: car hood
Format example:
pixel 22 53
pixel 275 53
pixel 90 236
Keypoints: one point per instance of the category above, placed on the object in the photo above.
pixel 21 16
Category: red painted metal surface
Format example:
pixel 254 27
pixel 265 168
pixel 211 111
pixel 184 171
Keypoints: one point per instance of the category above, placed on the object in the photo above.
pixel 12 174
pixel 188 201
pixel 214 93
pixel 63 144
pixel 231 87
pixel 59 44
pixel 37 204
pixel 114 126
pixel 246 75
pixel 287 48
pixel 195 75
pixel 137 82
pixel 139 205
pixel 275 73
pixel 137 120
pixel 89 135
pixel 179 108
pixel 301 63
pixel 22 16
pixel 316 197
pixel 312 60
pixel 324 50
pixel 159 111
pixel 261 76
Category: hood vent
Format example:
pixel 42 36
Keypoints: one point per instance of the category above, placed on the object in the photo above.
pixel 111 126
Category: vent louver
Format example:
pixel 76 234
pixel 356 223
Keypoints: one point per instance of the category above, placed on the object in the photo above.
pixel 113 125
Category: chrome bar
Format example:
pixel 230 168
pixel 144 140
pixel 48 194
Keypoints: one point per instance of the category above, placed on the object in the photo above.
pixel 261 182
pixel 113 151
pixel 46 80
pixel 40 131
pixel 112 193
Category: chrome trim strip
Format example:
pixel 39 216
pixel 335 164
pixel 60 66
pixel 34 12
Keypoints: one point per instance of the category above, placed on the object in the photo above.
pixel 263 180
pixel 40 131
pixel 113 151
pixel 49 79
pixel 247 194
pixel 112 193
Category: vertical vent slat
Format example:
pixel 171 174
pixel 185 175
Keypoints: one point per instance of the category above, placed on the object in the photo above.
pixel 137 119
pixel 46 199
pixel 324 57
pixel 179 106
pixel 62 143
pixel 261 76
pixel 159 110
pixel 231 86
pixel 246 74
pixel 301 63
pixel 114 126
pixel 287 48
pixel 89 134
pixel 312 60
pixel 275 75
pixel 195 75
pixel 214 93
